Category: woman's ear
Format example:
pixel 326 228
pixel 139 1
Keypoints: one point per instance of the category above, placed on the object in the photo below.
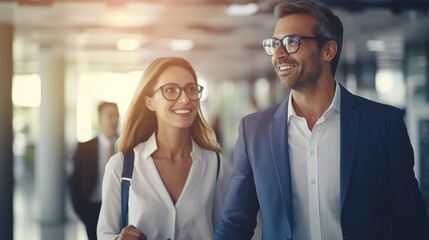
pixel 149 103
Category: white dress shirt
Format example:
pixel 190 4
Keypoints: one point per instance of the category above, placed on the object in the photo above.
pixel 315 173
pixel 195 214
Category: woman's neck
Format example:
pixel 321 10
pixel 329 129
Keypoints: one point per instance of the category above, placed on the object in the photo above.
pixel 173 145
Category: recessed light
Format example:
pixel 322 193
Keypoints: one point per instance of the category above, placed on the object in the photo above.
pixel 128 44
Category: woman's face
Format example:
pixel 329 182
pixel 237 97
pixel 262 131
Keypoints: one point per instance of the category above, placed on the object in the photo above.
pixel 178 113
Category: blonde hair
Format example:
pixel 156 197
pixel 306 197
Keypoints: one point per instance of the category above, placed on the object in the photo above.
pixel 140 123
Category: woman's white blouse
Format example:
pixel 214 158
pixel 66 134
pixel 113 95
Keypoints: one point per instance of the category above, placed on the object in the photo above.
pixel 196 213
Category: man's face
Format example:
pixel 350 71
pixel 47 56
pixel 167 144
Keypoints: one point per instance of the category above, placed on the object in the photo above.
pixel 109 120
pixel 302 68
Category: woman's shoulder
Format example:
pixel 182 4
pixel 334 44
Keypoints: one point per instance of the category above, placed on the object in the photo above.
pixel 213 156
pixel 116 160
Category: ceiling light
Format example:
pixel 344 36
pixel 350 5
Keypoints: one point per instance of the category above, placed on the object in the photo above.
pixel 181 45
pixel 128 44
pixel 242 9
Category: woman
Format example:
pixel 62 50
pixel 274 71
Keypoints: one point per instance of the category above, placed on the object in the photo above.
pixel 177 191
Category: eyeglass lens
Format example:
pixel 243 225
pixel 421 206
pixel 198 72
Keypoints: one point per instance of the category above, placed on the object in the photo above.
pixel 290 44
pixel 172 91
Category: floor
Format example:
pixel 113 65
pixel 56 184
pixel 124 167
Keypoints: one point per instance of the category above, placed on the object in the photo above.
pixel 26 226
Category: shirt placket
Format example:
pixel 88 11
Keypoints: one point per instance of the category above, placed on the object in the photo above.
pixel 313 186
pixel 172 213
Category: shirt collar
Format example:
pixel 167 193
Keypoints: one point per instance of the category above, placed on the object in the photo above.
pixel 290 110
pixel 335 104
pixel 150 147
pixel 105 141
pixel 197 151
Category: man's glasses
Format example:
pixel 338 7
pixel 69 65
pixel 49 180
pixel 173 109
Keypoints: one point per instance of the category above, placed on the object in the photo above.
pixel 290 43
pixel 172 91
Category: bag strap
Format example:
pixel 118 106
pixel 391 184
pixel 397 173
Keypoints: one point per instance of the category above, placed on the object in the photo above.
pixel 218 165
pixel 127 173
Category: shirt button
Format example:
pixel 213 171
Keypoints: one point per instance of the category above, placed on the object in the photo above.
pixel 313 181
pixel 312 152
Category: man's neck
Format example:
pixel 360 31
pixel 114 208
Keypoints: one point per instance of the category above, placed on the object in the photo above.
pixel 312 103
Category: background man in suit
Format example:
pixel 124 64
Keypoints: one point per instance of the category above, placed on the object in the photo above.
pixel 90 159
pixel 324 163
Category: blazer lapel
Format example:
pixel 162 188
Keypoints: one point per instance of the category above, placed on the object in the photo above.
pixel 280 155
pixel 349 132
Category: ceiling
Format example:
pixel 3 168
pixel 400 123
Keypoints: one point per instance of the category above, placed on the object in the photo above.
pixel 225 47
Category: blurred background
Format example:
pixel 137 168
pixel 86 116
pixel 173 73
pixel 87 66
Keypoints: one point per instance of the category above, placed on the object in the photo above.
pixel 60 58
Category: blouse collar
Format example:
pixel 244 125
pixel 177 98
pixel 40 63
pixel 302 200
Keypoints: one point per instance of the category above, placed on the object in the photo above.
pixel 150 146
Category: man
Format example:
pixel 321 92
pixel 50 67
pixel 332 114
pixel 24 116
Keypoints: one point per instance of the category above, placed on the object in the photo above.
pixel 324 163
pixel 89 162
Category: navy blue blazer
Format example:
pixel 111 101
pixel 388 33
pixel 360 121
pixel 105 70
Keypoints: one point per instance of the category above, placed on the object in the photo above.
pixel 380 197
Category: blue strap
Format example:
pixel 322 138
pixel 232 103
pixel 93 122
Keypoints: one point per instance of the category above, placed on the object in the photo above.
pixel 218 165
pixel 127 173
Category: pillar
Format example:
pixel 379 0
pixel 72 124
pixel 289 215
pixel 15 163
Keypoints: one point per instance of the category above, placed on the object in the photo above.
pixel 6 132
pixel 50 157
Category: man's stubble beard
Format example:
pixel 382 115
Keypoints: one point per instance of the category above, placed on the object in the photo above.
pixel 303 80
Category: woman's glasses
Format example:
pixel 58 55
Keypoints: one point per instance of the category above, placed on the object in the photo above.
pixel 290 43
pixel 172 91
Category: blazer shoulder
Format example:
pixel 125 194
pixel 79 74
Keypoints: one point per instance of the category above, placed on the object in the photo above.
pixel 376 108
pixel 263 115
pixel 365 105
pixel 87 146
pixel 91 142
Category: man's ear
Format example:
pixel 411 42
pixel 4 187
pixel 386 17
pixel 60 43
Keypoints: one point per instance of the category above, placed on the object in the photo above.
pixel 330 50
pixel 149 103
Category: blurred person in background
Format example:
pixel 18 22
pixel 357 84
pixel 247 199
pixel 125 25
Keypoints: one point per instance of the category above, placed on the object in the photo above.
pixel 323 163
pixel 180 177
pixel 90 159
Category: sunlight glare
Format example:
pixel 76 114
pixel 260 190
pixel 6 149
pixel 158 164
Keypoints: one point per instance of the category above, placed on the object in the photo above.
pixel 26 90
pixel 96 87
pixel 390 86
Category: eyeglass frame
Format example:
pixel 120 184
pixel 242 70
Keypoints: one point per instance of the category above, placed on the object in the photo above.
pixel 181 89
pixel 317 38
